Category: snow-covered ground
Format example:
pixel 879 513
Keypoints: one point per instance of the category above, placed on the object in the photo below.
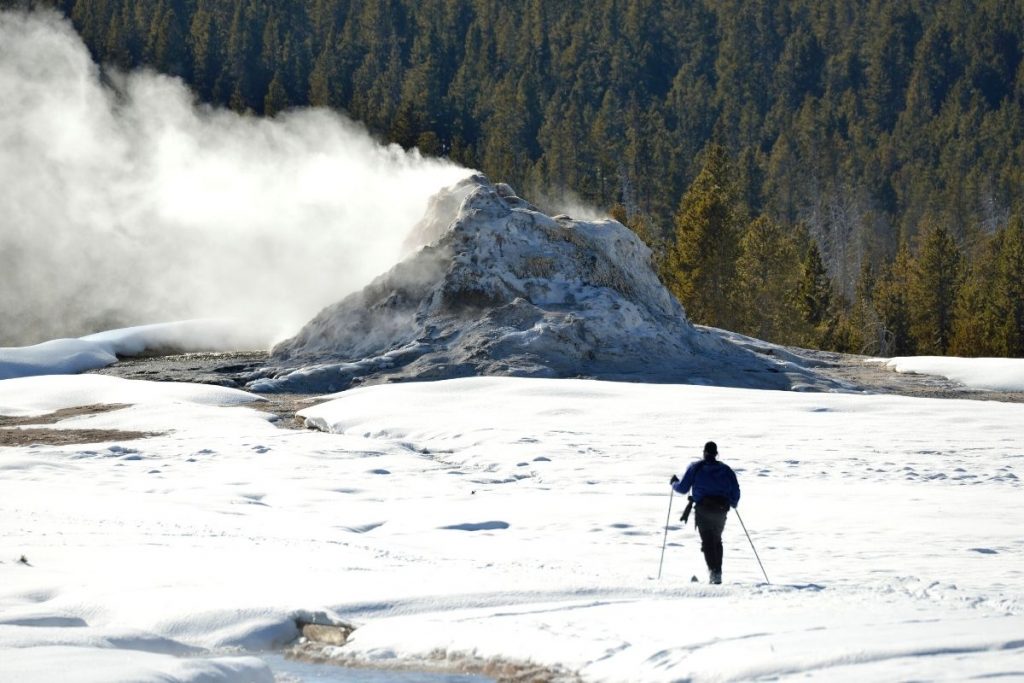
pixel 521 519
pixel 986 374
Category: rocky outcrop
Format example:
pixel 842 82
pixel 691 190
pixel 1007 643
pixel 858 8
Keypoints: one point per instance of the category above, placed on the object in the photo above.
pixel 493 286
pixel 326 635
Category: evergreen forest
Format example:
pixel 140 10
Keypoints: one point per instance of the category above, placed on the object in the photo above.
pixel 841 174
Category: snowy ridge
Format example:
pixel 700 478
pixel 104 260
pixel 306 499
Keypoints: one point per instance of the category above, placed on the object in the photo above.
pixel 39 395
pixel 500 288
pixel 68 356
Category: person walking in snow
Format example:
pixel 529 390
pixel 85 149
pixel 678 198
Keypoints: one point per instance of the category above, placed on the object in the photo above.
pixel 715 490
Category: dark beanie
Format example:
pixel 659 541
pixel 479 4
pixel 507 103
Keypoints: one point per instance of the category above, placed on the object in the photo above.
pixel 710 449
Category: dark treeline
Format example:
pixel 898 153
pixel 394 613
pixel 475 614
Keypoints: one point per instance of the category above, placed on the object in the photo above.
pixel 837 173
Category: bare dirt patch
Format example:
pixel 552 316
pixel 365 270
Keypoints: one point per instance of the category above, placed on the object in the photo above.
pixel 26 430
pixel 57 416
pixel 501 670
pixel 232 369
pixel 64 437
pixel 285 406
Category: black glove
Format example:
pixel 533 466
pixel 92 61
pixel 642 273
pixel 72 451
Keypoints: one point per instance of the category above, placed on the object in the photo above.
pixel 674 480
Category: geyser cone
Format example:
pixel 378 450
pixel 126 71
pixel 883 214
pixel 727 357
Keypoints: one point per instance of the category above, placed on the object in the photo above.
pixel 500 288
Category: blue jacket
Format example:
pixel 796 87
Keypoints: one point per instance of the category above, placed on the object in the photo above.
pixel 710 478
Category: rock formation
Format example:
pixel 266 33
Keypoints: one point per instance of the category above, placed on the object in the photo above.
pixel 493 286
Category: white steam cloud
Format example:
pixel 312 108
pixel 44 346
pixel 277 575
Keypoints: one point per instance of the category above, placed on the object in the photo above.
pixel 124 202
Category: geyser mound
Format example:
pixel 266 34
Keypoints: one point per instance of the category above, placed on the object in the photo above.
pixel 496 287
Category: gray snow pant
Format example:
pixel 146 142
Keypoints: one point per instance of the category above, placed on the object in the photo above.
pixel 710 525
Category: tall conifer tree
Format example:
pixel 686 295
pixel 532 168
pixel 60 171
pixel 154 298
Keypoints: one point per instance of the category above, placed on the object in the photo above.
pixel 935 280
pixel 892 302
pixel 701 264
pixel 767 275
pixel 816 298
pixel 1009 295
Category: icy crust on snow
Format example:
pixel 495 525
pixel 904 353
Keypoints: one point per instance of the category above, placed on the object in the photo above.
pixel 500 288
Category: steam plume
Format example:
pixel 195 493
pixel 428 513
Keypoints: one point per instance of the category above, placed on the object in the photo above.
pixel 123 202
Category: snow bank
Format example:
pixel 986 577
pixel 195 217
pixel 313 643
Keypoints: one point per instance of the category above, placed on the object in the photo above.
pixel 91 665
pixel 990 374
pixel 69 356
pixel 46 394
pixel 60 356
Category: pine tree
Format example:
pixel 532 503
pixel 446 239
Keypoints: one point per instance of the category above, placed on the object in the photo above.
pixel 117 39
pixel 322 80
pixel 276 99
pixel 166 40
pixel 976 322
pixel 1009 292
pixel 767 273
pixel 870 334
pixel 241 75
pixel 202 44
pixel 816 299
pixel 889 54
pixel 892 302
pixel 935 280
pixel 701 264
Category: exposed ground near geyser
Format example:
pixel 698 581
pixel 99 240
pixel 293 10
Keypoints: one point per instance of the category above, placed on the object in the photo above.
pixel 493 286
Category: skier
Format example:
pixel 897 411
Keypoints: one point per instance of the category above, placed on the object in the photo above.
pixel 715 490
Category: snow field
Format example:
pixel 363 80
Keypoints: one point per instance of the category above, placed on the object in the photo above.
pixel 515 518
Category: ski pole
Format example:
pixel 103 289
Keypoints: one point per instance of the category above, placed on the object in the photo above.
pixel 671 494
pixel 752 546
